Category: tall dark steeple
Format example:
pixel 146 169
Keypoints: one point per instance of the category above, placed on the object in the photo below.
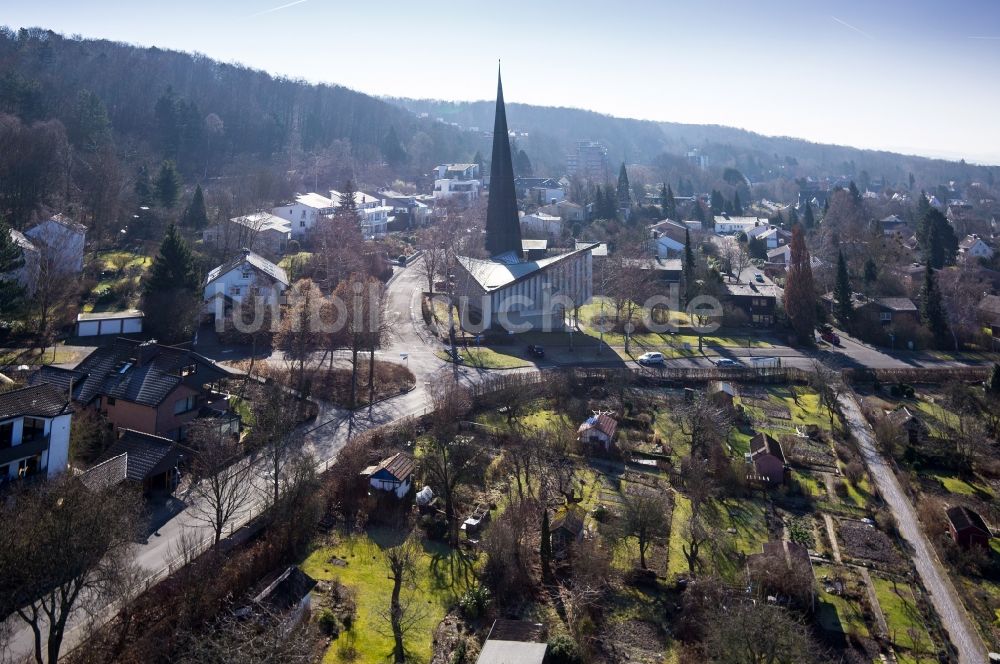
pixel 503 227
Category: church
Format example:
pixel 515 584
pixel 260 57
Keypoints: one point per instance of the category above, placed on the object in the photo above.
pixel 507 291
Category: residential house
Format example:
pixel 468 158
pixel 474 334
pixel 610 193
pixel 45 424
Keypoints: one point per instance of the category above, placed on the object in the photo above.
pixel 540 191
pixel 148 387
pixel 539 223
pixel 566 529
pixel 667 270
pixel 967 528
pixel 394 474
pixel 262 232
pixel 27 274
pixel 64 240
pixel 915 428
pixel 34 431
pixel 569 212
pixel 150 462
pixel 373 213
pixel 667 238
pixel 246 275
pixel 514 642
pixel 459 182
pixel 767 459
pixel 889 310
pixel 894 225
pixel 757 301
pixel 408 211
pixel 973 246
pixel 599 429
pixel 782 255
pixel 730 225
pixel 769 235
pixel 305 212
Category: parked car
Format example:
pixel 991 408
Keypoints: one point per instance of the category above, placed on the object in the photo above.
pixel 726 362
pixel 830 337
pixel 401 261
pixel 758 277
pixel 536 351
pixel 649 359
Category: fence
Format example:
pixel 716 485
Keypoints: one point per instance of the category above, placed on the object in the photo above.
pixel 916 374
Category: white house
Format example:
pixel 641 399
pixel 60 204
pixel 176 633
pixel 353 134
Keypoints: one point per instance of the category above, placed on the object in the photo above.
pixel 539 223
pixel 27 274
pixel 34 431
pixel 767 235
pixel 63 241
pixel 974 246
pixel 569 212
pixel 599 429
pixel 304 212
pixel 394 474
pixel 374 213
pixel 730 225
pixel 260 231
pixel 245 275
pixel 459 181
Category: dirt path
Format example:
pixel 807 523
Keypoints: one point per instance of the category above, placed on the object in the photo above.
pixel 940 589
pixel 873 600
pixel 832 534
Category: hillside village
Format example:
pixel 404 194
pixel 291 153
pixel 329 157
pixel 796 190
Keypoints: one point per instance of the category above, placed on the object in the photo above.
pixel 408 409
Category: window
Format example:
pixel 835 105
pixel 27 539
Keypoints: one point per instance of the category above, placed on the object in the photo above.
pixel 247 272
pixel 302 224
pixel 885 316
pixel 234 290
pixel 34 429
pixel 184 405
pixel 188 370
pixel 6 435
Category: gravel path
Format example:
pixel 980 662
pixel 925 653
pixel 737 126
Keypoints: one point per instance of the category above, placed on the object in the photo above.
pixel 940 589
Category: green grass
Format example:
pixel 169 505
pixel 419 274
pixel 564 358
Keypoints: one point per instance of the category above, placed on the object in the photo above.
pixel 901 615
pixel 676 563
pixel 485 358
pixel 746 517
pixel 443 575
pixel 293 263
pixel 957 485
pixel 811 485
pixel 836 613
pixel 112 260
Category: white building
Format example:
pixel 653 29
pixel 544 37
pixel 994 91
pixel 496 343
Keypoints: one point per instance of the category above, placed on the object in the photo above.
pixel 27 274
pixel 62 240
pixel 766 234
pixel 974 246
pixel 260 231
pixel 304 212
pixel 459 181
pixel 394 474
pixel 34 431
pixel 373 212
pixel 245 275
pixel 729 225
pixel 539 223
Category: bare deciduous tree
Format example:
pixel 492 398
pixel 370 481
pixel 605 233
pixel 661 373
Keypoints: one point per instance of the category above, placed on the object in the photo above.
pixel 222 480
pixel 645 516
pixel 404 612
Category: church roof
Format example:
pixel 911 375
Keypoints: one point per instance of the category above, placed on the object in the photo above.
pixel 503 228
pixel 498 272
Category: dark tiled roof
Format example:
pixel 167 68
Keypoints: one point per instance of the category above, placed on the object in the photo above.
pixel 148 455
pixel 962 517
pixel 286 591
pixel 399 465
pixel 107 473
pixel 765 443
pixel 897 303
pixel 41 400
pixel 143 373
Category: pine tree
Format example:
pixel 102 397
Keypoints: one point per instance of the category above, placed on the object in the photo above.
pixel 717 203
pixel 143 187
pixel 843 304
pixel 855 194
pixel 871 271
pixel 697 213
pixel 173 268
pixel 992 384
pixel 800 293
pixel 624 190
pixel 392 149
pixel 737 205
pixel 932 312
pixel 545 551
pixel 938 242
pixel 348 202
pixel 667 203
pixel 793 217
pixel 168 185
pixel 808 220
pixel 195 215
pixel 689 264
pixel 11 259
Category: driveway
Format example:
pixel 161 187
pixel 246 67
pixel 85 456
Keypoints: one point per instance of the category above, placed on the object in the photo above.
pixel 940 589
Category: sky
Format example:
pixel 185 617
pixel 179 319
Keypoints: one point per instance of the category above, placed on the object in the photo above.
pixel 914 76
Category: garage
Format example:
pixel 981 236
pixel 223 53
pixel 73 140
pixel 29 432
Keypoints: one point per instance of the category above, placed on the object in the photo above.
pixel 109 323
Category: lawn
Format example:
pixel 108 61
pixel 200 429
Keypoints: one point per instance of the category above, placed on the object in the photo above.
pixel 836 613
pixel 485 358
pixel 957 485
pixel 443 575
pixel 677 563
pixel 743 529
pixel 293 263
pixel 906 627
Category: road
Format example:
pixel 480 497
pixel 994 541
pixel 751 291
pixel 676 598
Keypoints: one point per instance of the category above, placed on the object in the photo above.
pixel 945 599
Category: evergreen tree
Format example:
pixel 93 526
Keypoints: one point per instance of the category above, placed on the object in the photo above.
pixel 689 265
pixel 11 259
pixel 826 207
pixel 173 268
pixel 667 203
pixel 938 242
pixel 89 126
pixel 923 206
pixel 477 159
pixel 168 185
pixel 392 149
pixel 793 217
pixel 717 204
pixel 913 181
pixel 843 304
pixel 697 213
pixel 932 312
pixel 871 271
pixel 546 545
pixel 808 220
pixel 800 293
pixel 737 205
pixel 195 215
pixel 624 190
pixel 855 194
pixel 143 187
pixel 992 384
pixel 348 203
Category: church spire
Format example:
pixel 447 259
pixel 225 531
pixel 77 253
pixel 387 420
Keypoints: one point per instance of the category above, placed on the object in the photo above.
pixel 503 227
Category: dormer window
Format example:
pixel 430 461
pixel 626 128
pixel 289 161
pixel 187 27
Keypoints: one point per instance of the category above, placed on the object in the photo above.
pixel 188 370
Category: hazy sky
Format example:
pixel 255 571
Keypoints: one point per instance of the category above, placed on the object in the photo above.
pixel 912 76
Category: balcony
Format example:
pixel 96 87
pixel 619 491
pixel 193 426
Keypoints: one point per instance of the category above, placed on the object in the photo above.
pixel 24 450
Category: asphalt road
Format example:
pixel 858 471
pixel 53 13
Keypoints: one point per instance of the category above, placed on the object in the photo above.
pixel 941 591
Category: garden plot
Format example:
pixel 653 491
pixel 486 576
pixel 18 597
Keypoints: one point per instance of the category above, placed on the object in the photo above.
pixel 865 542
pixel 841 600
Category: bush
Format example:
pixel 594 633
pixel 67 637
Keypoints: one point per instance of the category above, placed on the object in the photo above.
pixel 563 650
pixel 853 472
pixel 435 528
pixel 329 623
pixel 475 602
